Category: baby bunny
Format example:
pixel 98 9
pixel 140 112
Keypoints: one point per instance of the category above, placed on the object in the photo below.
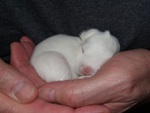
pixel 63 57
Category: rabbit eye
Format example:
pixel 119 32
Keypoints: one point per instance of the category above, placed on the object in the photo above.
pixel 82 50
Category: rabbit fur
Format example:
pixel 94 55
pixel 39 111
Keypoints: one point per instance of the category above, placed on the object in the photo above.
pixel 62 57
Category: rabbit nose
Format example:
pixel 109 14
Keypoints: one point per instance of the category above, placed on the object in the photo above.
pixel 86 70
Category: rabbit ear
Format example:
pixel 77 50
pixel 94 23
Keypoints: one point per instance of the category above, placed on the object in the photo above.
pixel 87 34
pixel 107 33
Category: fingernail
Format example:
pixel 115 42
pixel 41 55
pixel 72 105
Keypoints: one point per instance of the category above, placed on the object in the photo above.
pixel 23 91
pixel 24 39
pixel 47 94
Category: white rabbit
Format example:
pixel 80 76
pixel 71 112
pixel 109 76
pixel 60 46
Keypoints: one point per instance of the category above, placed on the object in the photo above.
pixel 63 57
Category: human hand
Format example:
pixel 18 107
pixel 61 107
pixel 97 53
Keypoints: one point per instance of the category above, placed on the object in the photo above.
pixel 120 83
pixel 20 59
pixel 12 79
pixel 14 84
pixel 21 53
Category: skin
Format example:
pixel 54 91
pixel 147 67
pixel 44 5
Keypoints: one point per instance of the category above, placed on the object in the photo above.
pixel 15 99
pixel 121 83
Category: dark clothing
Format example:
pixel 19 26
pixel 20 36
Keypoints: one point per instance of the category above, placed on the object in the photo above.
pixel 128 20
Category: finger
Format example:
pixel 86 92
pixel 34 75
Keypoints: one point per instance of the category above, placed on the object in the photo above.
pixel 119 107
pixel 20 60
pixel 28 45
pixel 14 85
pixel 19 55
pixel 73 93
pixel 23 49
pixel 7 105
pixel 27 39
pixel 93 109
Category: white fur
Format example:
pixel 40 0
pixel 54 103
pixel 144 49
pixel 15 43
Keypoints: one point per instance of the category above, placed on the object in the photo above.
pixel 62 57
pixel 98 48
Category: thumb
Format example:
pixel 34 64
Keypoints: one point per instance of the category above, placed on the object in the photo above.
pixel 14 85
pixel 74 93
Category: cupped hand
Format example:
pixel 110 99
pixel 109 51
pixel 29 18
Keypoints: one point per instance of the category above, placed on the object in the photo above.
pixel 15 85
pixel 18 94
pixel 121 83
pixel 20 59
pixel 20 55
